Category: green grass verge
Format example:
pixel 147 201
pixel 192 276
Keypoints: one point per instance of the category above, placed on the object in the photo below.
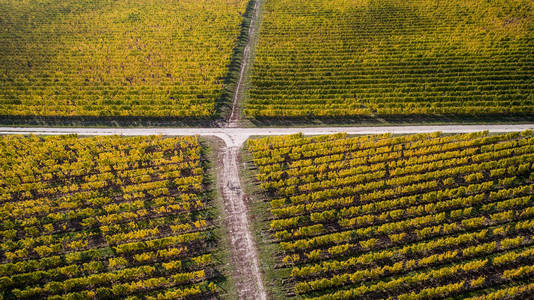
pixel 222 256
pixel 259 214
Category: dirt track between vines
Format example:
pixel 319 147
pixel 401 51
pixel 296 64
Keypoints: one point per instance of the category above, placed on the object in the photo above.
pixel 235 115
pixel 244 255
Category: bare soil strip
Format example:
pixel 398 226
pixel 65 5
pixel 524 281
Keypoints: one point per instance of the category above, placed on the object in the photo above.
pixel 244 256
pixel 235 116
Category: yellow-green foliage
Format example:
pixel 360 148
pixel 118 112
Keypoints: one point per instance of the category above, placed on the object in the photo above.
pixel 119 58
pixel 362 57
pixel 86 215
pixel 376 217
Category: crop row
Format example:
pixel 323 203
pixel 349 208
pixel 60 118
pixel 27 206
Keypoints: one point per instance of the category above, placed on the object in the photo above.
pixel 105 217
pixel 325 58
pixel 142 58
pixel 412 216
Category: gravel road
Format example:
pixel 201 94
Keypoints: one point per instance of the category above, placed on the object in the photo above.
pixel 235 137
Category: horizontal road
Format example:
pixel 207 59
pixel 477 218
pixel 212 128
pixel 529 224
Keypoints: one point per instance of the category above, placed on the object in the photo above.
pixel 237 136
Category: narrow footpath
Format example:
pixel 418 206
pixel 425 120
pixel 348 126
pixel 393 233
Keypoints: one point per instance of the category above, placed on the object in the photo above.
pixel 235 116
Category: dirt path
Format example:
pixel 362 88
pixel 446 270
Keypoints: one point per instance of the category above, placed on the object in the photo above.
pixel 244 256
pixel 235 116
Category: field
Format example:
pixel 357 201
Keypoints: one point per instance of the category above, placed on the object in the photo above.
pixel 140 58
pixel 393 58
pixel 400 217
pixel 224 179
pixel 106 217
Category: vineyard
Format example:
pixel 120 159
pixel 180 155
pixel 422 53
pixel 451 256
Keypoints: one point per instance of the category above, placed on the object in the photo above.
pixel 116 58
pixel 331 58
pixel 105 217
pixel 401 217
pixel 188 200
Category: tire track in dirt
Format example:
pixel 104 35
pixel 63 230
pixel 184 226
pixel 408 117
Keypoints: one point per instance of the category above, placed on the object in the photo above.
pixel 247 274
pixel 235 116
